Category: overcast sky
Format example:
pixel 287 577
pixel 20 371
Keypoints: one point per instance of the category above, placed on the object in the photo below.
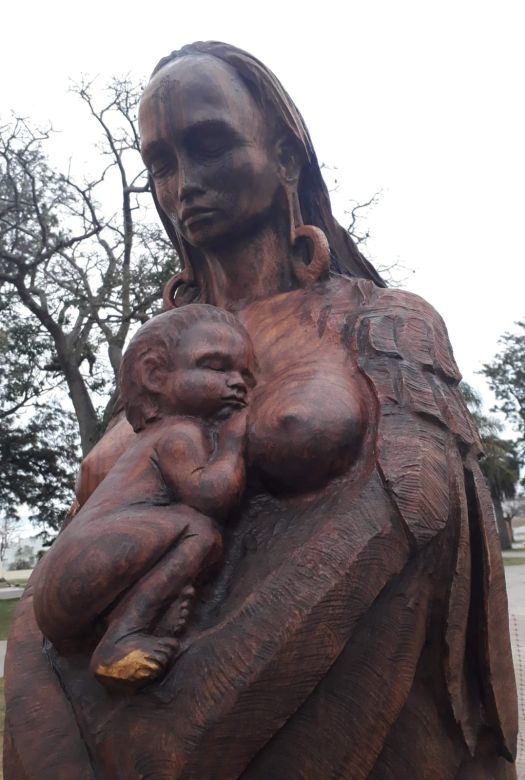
pixel 423 101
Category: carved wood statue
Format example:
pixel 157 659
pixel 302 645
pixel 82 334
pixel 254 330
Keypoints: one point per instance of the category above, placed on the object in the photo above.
pixel 285 565
pixel 184 382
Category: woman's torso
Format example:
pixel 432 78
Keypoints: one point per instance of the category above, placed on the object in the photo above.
pixel 311 410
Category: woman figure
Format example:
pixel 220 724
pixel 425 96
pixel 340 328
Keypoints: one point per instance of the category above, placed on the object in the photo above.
pixel 358 628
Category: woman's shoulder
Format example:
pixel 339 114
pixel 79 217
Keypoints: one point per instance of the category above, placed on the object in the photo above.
pixel 402 347
pixel 398 324
pixel 368 295
pixel 401 344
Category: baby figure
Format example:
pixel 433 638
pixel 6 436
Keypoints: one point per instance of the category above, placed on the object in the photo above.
pixel 128 562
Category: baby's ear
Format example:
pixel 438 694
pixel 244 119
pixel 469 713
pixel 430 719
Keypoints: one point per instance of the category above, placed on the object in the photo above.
pixel 153 375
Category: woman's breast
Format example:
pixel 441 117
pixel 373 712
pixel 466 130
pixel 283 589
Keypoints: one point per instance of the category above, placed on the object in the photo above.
pixel 307 422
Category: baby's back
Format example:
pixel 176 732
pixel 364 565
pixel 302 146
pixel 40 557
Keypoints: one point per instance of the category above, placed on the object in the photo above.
pixel 136 478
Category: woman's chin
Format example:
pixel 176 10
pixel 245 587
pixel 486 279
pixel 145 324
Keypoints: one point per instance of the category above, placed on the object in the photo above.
pixel 205 233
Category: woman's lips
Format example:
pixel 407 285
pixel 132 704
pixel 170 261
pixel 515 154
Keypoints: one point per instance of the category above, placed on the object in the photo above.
pixel 193 215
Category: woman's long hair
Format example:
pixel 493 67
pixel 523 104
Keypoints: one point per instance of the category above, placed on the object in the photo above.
pixel 277 105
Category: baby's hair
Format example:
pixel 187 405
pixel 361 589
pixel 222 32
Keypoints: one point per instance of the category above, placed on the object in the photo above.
pixel 156 342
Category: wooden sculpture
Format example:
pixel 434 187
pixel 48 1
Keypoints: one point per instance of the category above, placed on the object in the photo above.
pixel 355 624
pixel 184 382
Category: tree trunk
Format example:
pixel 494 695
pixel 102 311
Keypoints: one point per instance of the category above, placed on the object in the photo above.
pixel 88 423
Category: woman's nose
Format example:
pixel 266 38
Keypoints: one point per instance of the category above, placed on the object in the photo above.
pixel 188 184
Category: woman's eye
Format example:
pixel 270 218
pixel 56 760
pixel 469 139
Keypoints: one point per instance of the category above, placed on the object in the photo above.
pixel 160 168
pixel 209 146
pixel 158 172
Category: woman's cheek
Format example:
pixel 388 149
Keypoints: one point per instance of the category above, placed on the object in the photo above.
pixel 164 189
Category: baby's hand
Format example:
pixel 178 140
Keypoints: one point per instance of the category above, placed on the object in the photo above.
pixel 233 428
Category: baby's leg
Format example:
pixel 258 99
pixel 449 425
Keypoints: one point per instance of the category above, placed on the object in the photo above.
pixel 129 652
pixel 96 559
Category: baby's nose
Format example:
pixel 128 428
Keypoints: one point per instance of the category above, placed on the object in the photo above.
pixel 236 382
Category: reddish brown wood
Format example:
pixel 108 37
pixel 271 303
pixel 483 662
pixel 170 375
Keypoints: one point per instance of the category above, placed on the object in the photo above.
pixel 184 382
pixel 356 624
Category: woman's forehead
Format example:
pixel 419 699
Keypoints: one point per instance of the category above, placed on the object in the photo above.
pixel 197 82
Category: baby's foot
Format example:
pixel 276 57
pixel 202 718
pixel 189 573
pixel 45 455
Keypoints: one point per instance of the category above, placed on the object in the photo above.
pixel 134 661
pixel 174 621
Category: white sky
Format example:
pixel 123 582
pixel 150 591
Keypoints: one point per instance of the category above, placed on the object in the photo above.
pixel 422 100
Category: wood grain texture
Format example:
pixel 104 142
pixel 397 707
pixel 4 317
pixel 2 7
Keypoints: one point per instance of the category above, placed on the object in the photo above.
pixel 354 623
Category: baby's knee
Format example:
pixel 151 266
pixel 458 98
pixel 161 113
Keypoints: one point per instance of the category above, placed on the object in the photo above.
pixel 205 530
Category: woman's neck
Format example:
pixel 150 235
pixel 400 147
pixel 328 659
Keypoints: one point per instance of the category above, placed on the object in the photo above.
pixel 255 267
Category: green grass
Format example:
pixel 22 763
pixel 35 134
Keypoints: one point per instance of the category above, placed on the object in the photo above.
pixel 516 561
pixel 7 607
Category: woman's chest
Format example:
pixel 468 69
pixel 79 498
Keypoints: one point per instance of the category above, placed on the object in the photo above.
pixel 309 412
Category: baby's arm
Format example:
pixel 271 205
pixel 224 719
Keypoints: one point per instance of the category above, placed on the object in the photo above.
pixel 212 485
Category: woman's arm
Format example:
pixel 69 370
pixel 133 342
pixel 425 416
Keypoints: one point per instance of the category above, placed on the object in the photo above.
pixel 427 452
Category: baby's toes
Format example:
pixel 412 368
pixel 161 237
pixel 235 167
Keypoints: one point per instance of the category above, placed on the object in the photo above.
pixel 169 644
pixel 150 669
pixel 163 651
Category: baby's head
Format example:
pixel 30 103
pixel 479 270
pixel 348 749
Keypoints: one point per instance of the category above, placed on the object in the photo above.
pixel 196 360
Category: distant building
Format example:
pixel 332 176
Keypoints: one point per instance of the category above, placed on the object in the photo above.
pixel 21 553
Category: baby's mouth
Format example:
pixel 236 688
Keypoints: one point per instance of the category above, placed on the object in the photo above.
pixel 235 400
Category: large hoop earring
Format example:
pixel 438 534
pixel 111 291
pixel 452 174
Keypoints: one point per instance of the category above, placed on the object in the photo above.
pixel 181 286
pixel 318 267
pixel 173 294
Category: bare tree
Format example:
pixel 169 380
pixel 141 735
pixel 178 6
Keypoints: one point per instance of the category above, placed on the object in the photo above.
pixel 86 274
pixel 395 274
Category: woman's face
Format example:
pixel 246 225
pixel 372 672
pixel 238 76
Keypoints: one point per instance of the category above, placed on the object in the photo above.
pixel 207 148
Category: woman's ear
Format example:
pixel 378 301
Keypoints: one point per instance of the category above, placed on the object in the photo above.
pixel 289 159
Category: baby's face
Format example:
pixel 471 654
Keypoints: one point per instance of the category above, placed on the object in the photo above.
pixel 213 370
